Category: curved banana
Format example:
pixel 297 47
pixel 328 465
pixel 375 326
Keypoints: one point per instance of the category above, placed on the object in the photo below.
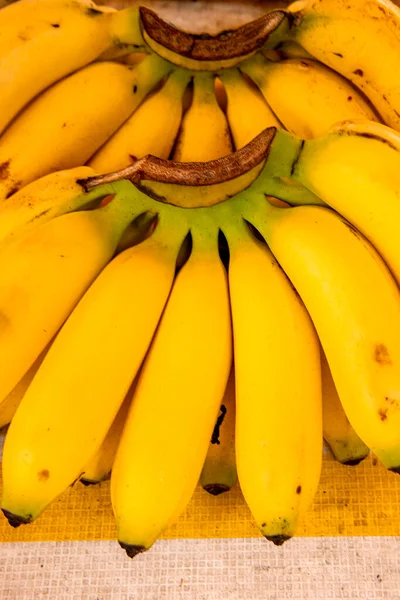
pixel 42 41
pixel 103 342
pixel 219 469
pixel 354 303
pixel 42 200
pixel 151 129
pixel 345 444
pixel 322 97
pixel 278 389
pixel 177 399
pixel 64 126
pixel 352 38
pixel 248 113
pixel 204 133
pixel 44 273
pixel 355 169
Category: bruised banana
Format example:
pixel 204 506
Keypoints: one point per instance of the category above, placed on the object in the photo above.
pixel 152 129
pixel 43 41
pixel 103 342
pixel 323 97
pixel 345 444
pixel 219 469
pixel 278 401
pixel 64 126
pixel 166 437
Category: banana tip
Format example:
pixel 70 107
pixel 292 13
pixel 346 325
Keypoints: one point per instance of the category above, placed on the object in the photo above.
pixel 132 550
pixel 215 489
pixel 15 520
pixel 278 540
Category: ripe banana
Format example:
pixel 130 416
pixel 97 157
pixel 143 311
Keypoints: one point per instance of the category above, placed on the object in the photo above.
pixel 352 38
pixel 322 97
pixel 177 399
pixel 204 133
pixel 248 113
pixel 278 389
pixel 219 470
pixel 64 126
pixel 345 444
pixel 355 305
pixel 355 168
pixel 43 275
pixel 42 200
pixel 152 129
pixel 42 41
pixel 103 342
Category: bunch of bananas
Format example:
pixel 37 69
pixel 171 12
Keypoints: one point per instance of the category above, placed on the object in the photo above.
pixel 198 241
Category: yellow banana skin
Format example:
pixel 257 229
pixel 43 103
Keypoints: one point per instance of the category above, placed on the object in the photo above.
pixel 204 133
pixel 44 274
pixel 345 444
pixel 65 126
pixel 66 413
pixel 354 303
pixel 43 41
pixel 351 39
pixel 248 113
pixel 278 389
pixel 151 129
pixel 219 470
pixel 43 200
pixel 177 399
pixel 355 169
pixel 322 96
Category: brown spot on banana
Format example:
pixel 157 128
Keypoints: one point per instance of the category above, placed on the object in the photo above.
pixel 382 413
pixel 381 355
pixel 4 170
pixel 43 475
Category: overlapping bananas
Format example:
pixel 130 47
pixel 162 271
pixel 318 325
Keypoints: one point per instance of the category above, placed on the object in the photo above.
pixel 199 257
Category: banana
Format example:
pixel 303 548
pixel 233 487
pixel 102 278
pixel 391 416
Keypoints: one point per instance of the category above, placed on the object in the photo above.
pixel 42 200
pixel 290 49
pixel 322 96
pixel 219 470
pixel 152 129
pixel 65 126
pixel 10 404
pixel 355 168
pixel 354 303
pixel 248 113
pixel 278 388
pixel 345 444
pixel 100 465
pixel 352 38
pixel 204 133
pixel 177 399
pixel 66 413
pixel 43 275
pixel 42 41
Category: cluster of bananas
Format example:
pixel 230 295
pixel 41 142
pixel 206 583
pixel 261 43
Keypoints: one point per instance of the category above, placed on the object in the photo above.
pixel 184 234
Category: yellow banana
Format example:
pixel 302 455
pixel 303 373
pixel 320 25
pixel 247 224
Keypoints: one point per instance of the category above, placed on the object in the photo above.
pixel 64 126
pixel 352 38
pixel 204 133
pixel 66 413
pixel 152 129
pixel 42 276
pixel 355 305
pixel 289 49
pixel 345 444
pixel 322 97
pixel 248 113
pixel 100 465
pixel 278 389
pixel 355 169
pixel 169 426
pixel 219 470
pixel 42 41
pixel 43 200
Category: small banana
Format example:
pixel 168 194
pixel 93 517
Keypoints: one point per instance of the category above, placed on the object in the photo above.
pixel 204 133
pixel 219 470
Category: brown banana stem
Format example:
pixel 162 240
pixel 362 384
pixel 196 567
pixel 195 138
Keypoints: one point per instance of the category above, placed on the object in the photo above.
pixel 212 172
pixel 224 45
